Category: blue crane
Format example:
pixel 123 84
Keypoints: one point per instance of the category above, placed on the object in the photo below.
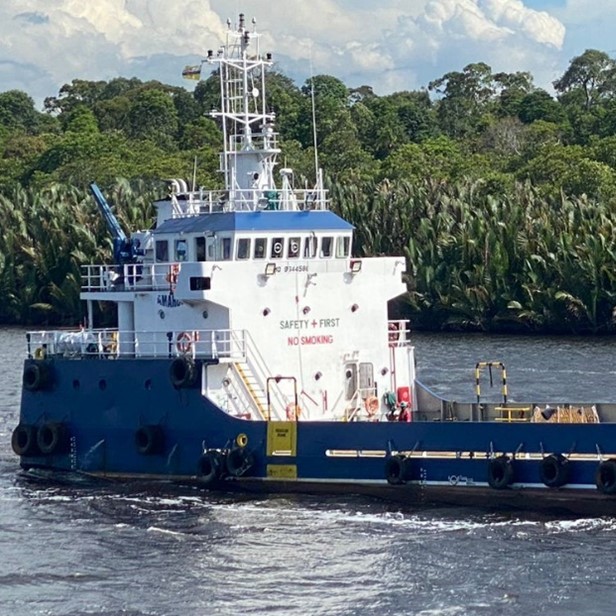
pixel 124 250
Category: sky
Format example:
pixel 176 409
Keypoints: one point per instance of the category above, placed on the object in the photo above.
pixel 390 45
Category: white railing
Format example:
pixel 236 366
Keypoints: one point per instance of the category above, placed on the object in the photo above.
pixel 399 333
pixel 221 344
pixel 208 202
pixel 129 277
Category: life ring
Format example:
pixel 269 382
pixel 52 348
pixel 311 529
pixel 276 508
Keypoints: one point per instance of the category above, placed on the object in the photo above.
pixel 500 472
pixel 239 461
pixel 397 469
pixel 52 438
pixel 209 467
pixel 293 411
pixel 183 372
pixel 184 342
pixel 172 276
pixel 150 440
pixel 40 353
pixel 372 405
pixel 36 376
pixel 605 478
pixel 23 440
pixel 554 470
pixel 241 440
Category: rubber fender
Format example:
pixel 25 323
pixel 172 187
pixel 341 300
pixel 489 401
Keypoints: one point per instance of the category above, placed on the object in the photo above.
pixel 397 469
pixel 554 470
pixel 239 461
pixel 500 472
pixel 37 376
pixel 209 467
pixel 52 438
pixel 23 440
pixel 183 372
pixel 605 477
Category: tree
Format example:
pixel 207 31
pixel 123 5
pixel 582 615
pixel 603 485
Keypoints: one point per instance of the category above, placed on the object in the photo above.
pixel 465 98
pixel 17 111
pixel 153 116
pixel 593 73
pixel 539 105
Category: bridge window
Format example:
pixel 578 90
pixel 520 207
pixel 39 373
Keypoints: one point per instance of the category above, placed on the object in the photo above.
pixel 327 244
pixel 181 250
pixel 277 244
pixel 243 248
pixel 310 247
pixel 162 251
pixel 294 247
pixel 200 248
pixel 260 247
pixel 226 248
pixel 343 245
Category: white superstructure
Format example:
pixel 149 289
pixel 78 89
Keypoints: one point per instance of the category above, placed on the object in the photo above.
pixel 256 282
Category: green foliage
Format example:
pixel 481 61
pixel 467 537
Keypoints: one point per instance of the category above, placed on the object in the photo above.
pixel 500 196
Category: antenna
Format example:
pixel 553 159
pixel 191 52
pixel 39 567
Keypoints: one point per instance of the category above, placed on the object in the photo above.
pixel 194 178
pixel 314 119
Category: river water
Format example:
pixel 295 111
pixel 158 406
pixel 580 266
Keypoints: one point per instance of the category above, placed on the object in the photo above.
pixel 69 551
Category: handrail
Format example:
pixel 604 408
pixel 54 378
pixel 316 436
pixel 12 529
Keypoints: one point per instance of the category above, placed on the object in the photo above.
pixel 219 344
pixel 490 364
pixel 260 370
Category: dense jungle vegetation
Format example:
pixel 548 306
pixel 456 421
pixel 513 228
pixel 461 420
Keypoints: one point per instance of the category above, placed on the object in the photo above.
pixel 501 196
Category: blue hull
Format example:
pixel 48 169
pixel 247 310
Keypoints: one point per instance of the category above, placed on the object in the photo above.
pixel 101 406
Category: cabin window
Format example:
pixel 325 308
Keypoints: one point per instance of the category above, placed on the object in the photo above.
pixel 327 244
pixel 181 250
pixel 277 244
pixel 200 283
pixel 226 248
pixel 310 247
pixel 260 247
pixel 210 244
pixel 200 248
pixel 162 251
pixel 343 245
pixel 243 248
pixel 294 247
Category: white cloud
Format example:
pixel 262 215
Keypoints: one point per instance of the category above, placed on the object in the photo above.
pixel 390 45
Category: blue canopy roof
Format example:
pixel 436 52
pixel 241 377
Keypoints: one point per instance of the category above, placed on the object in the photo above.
pixel 310 220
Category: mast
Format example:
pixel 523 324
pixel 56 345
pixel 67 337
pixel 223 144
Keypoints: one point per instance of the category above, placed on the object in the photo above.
pixel 250 149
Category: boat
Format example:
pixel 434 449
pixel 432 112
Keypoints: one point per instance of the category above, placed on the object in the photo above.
pixel 253 352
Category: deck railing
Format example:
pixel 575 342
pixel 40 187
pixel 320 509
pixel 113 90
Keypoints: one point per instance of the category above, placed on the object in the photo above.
pixel 221 344
pixel 129 277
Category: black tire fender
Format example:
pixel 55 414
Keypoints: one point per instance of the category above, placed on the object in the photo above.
pixel 605 477
pixel 52 438
pixel 36 376
pixel 554 470
pixel 209 467
pixel 183 372
pixel 396 469
pixel 500 472
pixel 239 461
pixel 23 440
